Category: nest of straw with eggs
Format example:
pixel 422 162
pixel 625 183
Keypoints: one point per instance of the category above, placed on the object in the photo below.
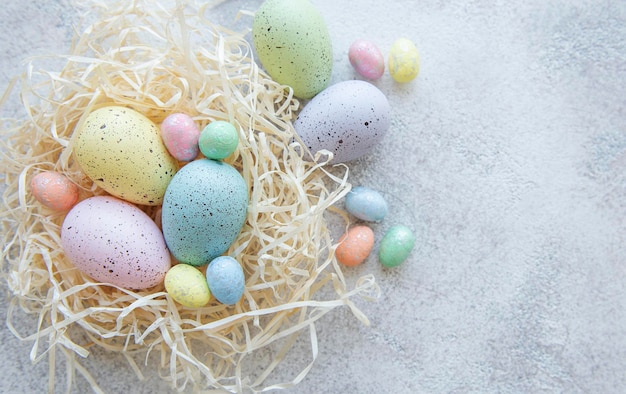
pixel 159 61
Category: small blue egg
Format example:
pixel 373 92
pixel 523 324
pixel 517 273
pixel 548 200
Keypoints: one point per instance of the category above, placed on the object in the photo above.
pixel 226 279
pixel 366 204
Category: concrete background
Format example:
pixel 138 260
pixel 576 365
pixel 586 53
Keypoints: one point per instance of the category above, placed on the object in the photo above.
pixel 507 155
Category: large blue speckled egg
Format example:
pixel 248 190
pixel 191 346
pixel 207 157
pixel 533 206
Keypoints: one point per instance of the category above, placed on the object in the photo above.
pixel 204 208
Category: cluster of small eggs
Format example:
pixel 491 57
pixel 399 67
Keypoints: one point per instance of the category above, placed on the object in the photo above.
pixel 368 61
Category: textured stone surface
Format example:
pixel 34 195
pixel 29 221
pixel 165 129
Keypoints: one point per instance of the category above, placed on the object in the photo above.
pixel 507 155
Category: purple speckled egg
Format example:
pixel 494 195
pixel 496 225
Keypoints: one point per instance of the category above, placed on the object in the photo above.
pixel 180 135
pixel 366 59
pixel 347 119
pixel 115 242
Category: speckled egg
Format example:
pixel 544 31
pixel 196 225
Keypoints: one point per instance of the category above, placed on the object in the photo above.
pixel 180 135
pixel 54 190
pixel 404 61
pixel 355 245
pixel 366 59
pixel 366 204
pixel 115 242
pixel 396 246
pixel 187 286
pixel 204 208
pixel 122 152
pixel 347 119
pixel 293 44
pixel 226 279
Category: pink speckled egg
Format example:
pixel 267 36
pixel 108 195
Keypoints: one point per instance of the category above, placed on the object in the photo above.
pixel 115 242
pixel 180 135
pixel 54 190
pixel 366 59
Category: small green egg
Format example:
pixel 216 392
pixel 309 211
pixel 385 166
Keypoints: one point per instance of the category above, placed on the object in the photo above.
pixel 187 286
pixel 218 140
pixel 396 246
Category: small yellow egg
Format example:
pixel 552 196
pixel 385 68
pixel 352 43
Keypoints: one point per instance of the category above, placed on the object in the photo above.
pixel 187 286
pixel 404 61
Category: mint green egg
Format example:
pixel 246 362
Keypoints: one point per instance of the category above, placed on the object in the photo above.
pixel 218 140
pixel 293 44
pixel 396 246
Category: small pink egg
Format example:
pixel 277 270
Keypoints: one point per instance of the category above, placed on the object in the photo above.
pixel 366 59
pixel 180 135
pixel 54 190
pixel 355 246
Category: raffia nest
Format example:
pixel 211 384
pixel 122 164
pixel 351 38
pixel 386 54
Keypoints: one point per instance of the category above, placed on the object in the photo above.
pixel 159 61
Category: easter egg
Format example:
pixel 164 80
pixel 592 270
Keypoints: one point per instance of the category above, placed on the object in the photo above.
pixel 122 152
pixel 293 45
pixel 347 119
pixel 226 279
pixel 187 286
pixel 204 208
pixel 404 61
pixel 366 204
pixel 355 245
pixel 115 242
pixel 54 190
pixel 180 135
pixel 396 246
pixel 366 59
pixel 218 140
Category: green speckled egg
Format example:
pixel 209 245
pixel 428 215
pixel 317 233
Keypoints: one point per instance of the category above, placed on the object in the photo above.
pixel 396 246
pixel 122 152
pixel 293 45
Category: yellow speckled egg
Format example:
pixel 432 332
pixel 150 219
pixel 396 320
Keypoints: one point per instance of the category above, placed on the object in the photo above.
pixel 187 286
pixel 404 61
pixel 122 152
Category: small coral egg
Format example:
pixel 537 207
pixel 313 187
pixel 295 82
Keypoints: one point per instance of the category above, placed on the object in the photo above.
pixel 54 190
pixel 180 135
pixel 218 140
pixel 187 286
pixel 366 59
pixel 355 245
pixel 404 61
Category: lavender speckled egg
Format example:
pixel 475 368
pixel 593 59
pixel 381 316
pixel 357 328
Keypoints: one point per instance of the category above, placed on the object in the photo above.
pixel 226 279
pixel 122 152
pixel 348 119
pixel 180 135
pixel 115 242
pixel 204 208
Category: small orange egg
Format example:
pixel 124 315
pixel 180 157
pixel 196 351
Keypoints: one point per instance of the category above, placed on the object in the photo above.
pixel 355 245
pixel 54 190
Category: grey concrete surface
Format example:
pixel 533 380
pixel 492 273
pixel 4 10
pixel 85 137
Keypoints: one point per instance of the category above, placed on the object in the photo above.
pixel 507 154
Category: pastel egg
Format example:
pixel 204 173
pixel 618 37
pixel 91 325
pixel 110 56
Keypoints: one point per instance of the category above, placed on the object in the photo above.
pixel 347 119
pixel 204 209
pixel 293 44
pixel 366 59
pixel 396 246
pixel 404 61
pixel 366 204
pixel 180 135
pixel 187 286
pixel 218 140
pixel 122 151
pixel 355 245
pixel 54 190
pixel 226 279
pixel 115 242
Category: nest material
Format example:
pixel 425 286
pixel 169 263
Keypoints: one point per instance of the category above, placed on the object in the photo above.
pixel 159 61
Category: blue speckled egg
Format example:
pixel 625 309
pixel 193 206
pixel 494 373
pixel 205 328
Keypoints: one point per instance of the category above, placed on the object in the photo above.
pixel 204 208
pixel 366 204
pixel 226 279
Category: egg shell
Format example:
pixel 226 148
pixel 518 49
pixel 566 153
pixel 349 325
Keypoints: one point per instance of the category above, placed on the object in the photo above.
pixel 396 246
pixel 348 119
pixel 54 190
pixel 366 59
pixel 122 151
pixel 187 286
pixel 355 245
pixel 226 279
pixel 293 44
pixel 204 208
pixel 218 140
pixel 366 204
pixel 180 135
pixel 115 242
pixel 404 61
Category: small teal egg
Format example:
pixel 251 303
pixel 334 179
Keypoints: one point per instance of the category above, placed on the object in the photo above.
pixel 204 208
pixel 226 279
pixel 366 204
pixel 396 246
pixel 218 140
